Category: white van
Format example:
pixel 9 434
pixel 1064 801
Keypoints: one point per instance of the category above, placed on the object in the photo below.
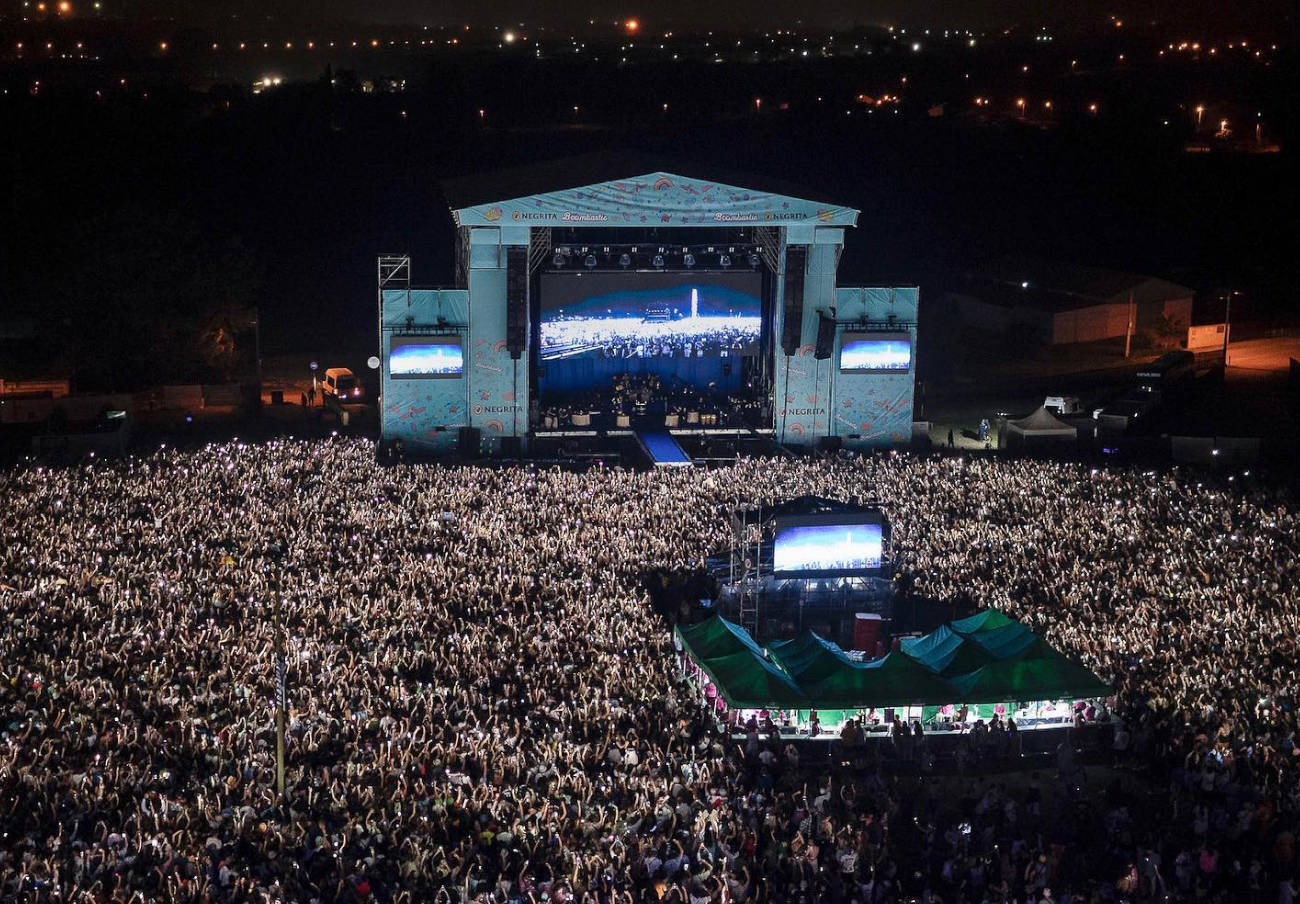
pixel 1058 404
pixel 342 384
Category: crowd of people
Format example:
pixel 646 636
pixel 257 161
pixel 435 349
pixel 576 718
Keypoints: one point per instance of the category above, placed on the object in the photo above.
pixel 483 705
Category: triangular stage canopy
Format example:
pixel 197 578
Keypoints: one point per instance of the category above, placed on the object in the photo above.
pixel 656 199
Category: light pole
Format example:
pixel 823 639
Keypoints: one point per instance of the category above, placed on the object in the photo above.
pixel 281 701
pixel 1227 326
pixel 257 351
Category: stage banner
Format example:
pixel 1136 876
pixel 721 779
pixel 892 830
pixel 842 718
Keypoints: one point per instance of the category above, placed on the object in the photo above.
pixel 657 199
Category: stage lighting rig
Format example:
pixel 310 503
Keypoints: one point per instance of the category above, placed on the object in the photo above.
pixel 658 261
pixel 688 259
pixel 590 261
pixel 625 260
pixel 724 260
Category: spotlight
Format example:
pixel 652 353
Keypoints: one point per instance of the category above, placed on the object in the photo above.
pixel 688 259
pixel 754 259
pixel 559 260
pixel 625 260
pixel 590 261
pixel 724 260
pixel 658 260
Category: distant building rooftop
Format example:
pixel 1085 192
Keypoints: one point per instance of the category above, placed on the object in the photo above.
pixel 1057 285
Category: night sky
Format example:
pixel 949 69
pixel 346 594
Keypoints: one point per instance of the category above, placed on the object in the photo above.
pixel 744 14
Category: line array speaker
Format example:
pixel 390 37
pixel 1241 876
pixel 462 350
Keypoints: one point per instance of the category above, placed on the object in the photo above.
pixel 796 265
pixel 516 300
pixel 825 337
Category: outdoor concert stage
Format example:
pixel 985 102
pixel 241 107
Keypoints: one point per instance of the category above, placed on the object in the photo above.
pixel 658 306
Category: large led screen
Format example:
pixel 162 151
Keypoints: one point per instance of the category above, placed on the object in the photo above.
pixel 425 356
pixel 876 352
pixel 649 315
pixel 827 546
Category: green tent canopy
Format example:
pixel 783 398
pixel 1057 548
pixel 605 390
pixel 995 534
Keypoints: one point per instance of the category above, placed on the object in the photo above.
pixel 747 681
pixel 893 680
pixel 716 637
pixel 1013 641
pixel 984 620
pixel 945 652
pixel 1044 678
pixel 985 659
pixel 809 659
pixel 940 641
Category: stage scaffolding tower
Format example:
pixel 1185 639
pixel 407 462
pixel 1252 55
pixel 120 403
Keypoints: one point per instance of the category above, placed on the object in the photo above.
pixel 746 565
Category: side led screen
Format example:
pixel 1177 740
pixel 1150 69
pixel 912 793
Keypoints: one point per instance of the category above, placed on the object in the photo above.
pixel 425 356
pixel 876 352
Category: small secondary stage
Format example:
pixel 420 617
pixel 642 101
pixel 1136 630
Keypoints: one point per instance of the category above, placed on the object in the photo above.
pixel 804 562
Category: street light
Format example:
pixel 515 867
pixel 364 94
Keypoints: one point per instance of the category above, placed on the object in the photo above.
pixel 1200 108
pixel 1227 324
pixel 281 701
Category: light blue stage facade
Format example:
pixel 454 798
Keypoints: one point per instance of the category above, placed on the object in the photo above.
pixel 469 357
pixel 861 407
pixel 423 410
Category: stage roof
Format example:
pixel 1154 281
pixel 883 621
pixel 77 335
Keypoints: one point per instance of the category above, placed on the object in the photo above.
pixel 654 199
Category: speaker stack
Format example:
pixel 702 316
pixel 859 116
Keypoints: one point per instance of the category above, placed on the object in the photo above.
pixel 796 265
pixel 516 300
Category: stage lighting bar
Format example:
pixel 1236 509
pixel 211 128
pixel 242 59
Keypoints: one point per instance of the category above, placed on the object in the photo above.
pixel 655 257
